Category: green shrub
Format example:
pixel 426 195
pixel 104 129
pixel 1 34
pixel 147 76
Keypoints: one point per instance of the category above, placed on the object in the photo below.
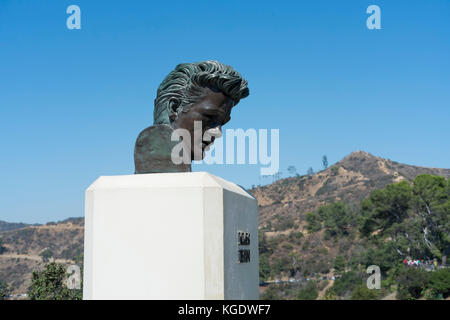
pixel 412 283
pixel 46 254
pixel 334 170
pixel 4 289
pixel 361 292
pixel 309 292
pixel 322 266
pixel 346 283
pixel 339 264
pixel 2 249
pixel 295 236
pixel 49 284
pixel 440 282
pixel 272 293
pixel 314 222
pixel 264 266
pixel 284 223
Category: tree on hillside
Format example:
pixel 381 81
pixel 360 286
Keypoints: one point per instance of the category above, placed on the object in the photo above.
pixel 339 265
pixel 4 289
pixel 344 285
pixel 277 176
pixel 385 207
pixel 309 292
pixel 314 222
pixel 412 283
pixel 325 162
pixel 416 218
pixel 440 282
pixel 432 204
pixel 361 292
pixel 292 170
pixel 334 170
pixel 1 246
pixel 382 254
pixel 264 267
pixel 50 284
pixel 272 293
pixel 310 171
pixel 46 254
pixel 336 218
pixel 263 245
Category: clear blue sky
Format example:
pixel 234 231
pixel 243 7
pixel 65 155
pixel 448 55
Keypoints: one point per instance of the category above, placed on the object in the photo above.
pixel 72 102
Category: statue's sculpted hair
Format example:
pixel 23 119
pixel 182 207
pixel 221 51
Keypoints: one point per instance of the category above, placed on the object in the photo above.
pixel 185 85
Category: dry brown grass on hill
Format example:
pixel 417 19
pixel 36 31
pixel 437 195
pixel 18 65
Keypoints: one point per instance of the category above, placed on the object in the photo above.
pixel 283 206
pixel 350 180
pixel 23 248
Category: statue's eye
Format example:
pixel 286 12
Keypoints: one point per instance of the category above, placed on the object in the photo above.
pixel 214 123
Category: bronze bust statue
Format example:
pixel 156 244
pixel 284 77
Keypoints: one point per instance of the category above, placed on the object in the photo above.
pixel 193 94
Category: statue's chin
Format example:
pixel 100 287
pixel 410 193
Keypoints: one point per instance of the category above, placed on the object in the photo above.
pixel 202 156
pixel 204 150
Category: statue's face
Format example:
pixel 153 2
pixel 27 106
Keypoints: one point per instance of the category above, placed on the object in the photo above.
pixel 213 110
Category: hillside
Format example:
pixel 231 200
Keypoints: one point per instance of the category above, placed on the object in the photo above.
pixel 5 226
pixel 289 249
pixel 23 248
pixel 300 247
pixel 349 180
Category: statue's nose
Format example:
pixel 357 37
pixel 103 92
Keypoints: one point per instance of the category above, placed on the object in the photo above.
pixel 215 132
pixel 212 134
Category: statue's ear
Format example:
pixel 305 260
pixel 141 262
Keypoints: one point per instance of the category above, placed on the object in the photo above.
pixel 173 108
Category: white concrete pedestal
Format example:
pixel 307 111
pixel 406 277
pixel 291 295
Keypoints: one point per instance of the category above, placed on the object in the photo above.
pixel 169 236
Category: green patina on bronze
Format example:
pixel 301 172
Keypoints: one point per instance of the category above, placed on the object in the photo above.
pixel 154 144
